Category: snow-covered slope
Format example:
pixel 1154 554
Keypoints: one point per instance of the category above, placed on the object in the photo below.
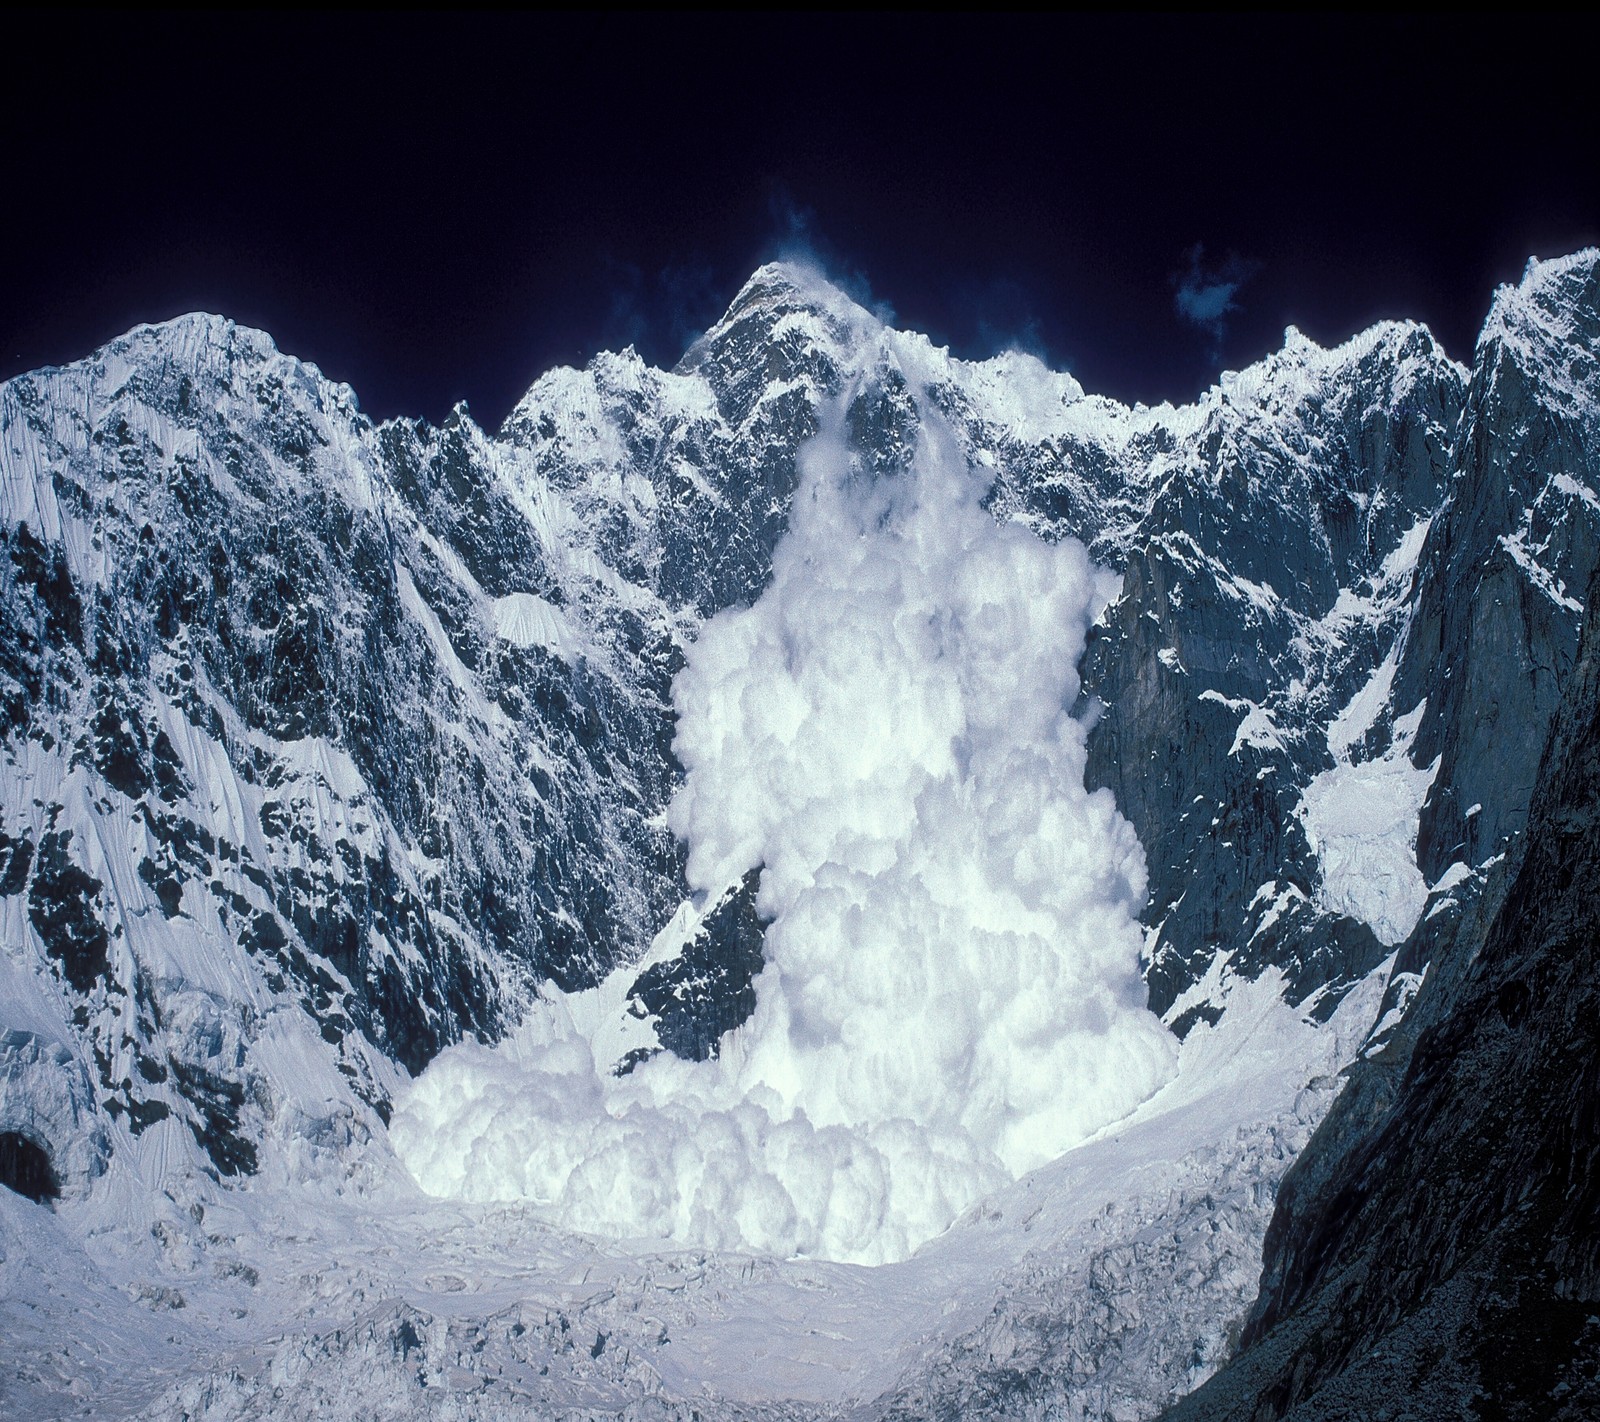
pixel 328 744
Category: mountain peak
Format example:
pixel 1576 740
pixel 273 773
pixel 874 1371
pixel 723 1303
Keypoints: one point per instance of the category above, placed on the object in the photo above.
pixel 785 300
pixel 1551 294
pixel 1548 326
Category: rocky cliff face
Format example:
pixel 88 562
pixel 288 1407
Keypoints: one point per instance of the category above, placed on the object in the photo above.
pixel 1269 582
pixel 285 760
pixel 1432 1252
pixel 1504 577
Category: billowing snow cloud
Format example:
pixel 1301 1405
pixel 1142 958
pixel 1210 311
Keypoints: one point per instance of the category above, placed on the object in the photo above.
pixel 951 994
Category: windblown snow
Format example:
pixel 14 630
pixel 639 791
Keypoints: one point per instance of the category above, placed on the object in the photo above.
pixel 951 994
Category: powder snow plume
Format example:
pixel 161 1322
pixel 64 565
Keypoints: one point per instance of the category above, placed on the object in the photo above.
pixel 951 994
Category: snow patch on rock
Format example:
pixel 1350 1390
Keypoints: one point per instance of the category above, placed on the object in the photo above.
pixel 1361 818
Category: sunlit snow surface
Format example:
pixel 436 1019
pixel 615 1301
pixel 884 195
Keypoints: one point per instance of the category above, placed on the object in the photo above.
pixel 952 993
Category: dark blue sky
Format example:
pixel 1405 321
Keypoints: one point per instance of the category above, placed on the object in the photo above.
pixel 434 209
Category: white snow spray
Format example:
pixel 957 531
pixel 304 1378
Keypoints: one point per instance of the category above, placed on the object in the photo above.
pixel 951 994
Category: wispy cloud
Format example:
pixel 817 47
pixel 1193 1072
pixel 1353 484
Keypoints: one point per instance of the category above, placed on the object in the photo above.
pixel 1205 295
pixel 796 237
pixel 994 314
pixel 661 312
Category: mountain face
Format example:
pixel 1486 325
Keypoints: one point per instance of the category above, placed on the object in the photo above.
pixel 365 731
pixel 1266 588
pixel 329 744
pixel 1479 1098
pixel 1434 1250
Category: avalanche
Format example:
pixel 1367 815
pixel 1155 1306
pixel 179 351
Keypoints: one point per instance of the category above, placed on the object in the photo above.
pixel 951 995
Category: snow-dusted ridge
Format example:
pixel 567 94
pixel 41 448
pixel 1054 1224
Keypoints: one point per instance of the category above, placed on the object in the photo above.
pixel 329 743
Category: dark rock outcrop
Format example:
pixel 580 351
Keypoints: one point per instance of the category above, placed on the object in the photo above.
pixel 1499 606
pixel 708 988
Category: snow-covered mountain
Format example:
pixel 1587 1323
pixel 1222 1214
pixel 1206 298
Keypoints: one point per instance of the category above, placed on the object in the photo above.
pixel 329 745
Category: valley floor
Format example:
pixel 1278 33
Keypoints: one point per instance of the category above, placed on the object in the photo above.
pixel 1105 1284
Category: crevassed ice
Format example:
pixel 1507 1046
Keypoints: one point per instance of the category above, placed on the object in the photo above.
pixel 952 993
